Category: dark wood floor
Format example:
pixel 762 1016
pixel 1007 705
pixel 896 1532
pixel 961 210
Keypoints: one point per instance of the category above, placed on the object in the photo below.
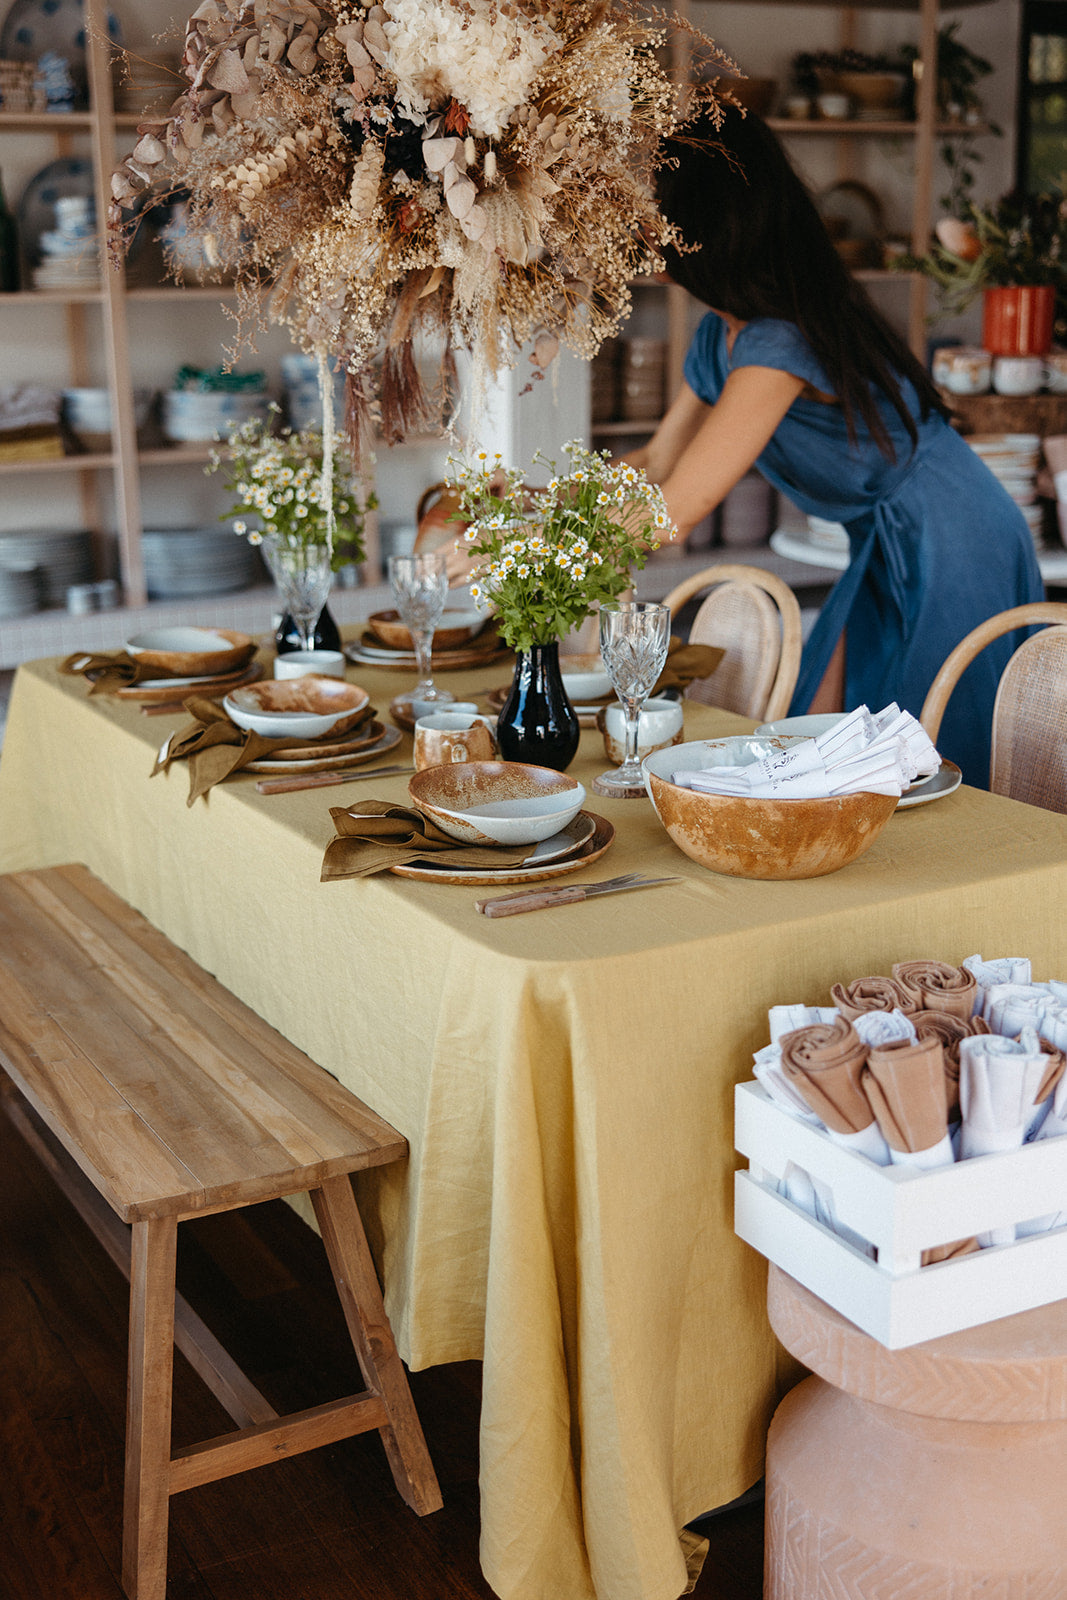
pixel 323 1526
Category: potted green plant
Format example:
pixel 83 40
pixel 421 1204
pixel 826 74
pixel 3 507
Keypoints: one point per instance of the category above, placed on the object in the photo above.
pixel 1014 254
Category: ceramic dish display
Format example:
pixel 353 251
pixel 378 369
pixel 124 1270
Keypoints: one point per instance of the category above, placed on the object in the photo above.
pixel 157 691
pixel 438 872
pixel 191 652
pixel 496 802
pixel 295 708
pixel 585 677
pixel 946 780
pixel 455 629
pixel 759 838
pixel 274 765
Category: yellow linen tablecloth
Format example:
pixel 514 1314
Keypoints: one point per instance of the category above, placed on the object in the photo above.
pixel 564 1079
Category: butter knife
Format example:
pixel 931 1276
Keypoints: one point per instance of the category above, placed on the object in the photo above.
pixel 322 780
pixel 510 905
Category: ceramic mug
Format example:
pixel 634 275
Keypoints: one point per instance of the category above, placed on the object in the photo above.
pixel 1018 375
pixel 1056 371
pixel 659 725
pixel 302 663
pixel 451 736
pixel 963 369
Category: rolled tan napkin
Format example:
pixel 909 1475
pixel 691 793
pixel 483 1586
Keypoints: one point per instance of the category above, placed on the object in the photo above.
pixel 905 1084
pixel 873 994
pixel 215 747
pixel 685 663
pixel 949 1030
pixel 114 669
pixel 374 835
pixel 940 987
pixel 824 1062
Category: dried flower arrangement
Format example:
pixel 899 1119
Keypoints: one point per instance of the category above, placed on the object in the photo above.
pixel 474 170
pixel 547 557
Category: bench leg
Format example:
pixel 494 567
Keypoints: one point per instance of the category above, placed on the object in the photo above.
pixel 148 1406
pixel 361 1298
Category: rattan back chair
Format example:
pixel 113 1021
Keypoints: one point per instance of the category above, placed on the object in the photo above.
pixel 1029 751
pixel 755 619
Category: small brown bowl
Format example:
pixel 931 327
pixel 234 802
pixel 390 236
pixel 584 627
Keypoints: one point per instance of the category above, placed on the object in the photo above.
pixel 396 635
pixel 772 839
pixel 496 802
pixel 189 652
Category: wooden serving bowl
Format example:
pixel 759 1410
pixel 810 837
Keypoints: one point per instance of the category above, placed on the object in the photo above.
pixel 189 652
pixel 396 635
pixel 759 838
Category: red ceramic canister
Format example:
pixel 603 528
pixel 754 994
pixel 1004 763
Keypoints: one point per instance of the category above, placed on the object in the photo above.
pixel 1017 320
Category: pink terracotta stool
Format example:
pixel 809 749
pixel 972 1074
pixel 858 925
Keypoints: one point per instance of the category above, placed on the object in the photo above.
pixel 938 1472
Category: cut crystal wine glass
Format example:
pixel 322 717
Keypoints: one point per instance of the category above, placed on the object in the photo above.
pixel 634 637
pixel 304 574
pixel 420 587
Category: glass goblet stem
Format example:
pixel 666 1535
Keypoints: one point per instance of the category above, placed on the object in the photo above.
pixel 422 639
pixel 632 707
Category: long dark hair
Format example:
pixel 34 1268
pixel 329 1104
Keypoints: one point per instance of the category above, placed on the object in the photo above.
pixel 764 252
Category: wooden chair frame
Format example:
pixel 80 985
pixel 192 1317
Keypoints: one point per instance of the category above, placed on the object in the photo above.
pixel 785 678
pixel 1050 612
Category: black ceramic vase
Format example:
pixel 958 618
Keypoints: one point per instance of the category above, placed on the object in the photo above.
pixel 326 635
pixel 537 723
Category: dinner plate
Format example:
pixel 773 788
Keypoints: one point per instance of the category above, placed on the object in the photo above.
pixel 559 846
pixel 594 847
pixel 160 690
pixel 390 738
pixel 333 744
pixel 946 780
pixel 364 655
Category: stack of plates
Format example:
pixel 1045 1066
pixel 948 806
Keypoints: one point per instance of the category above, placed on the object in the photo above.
pixel 576 846
pixel 62 559
pixel 191 416
pixel 20 589
pixel 181 562
pixel 828 535
pixel 1013 459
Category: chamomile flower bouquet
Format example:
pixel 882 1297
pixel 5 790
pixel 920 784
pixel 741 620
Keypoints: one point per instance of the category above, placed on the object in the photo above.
pixel 547 557
pixel 289 495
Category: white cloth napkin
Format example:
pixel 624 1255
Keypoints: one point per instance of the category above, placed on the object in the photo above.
pixel 999 1079
pixel 767 1067
pixel 880 755
pixel 880 1027
pixel 1011 1007
pixel 786 1019
pixel 1004 969
pixel 1052 1126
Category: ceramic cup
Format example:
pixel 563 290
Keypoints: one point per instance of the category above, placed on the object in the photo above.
pixel 1018 374
pixel 834 107
pixel 963 369
pixel 301 663
pixel 1056 371
pixel 659 725
pixel 452 736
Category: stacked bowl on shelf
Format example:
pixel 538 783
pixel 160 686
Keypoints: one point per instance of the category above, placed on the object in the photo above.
pixel 193 416
pixel 1013 459
pixel 87 413
pixel 57 559
pixel 180 563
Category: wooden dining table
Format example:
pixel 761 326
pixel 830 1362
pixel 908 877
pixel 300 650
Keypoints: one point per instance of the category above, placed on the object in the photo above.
pixel 564 1080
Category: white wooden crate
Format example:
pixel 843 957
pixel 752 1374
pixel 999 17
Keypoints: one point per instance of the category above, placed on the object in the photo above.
pixel 901 1212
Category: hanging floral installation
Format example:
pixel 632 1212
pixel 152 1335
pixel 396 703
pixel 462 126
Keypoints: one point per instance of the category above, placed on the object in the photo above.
pixel 474 172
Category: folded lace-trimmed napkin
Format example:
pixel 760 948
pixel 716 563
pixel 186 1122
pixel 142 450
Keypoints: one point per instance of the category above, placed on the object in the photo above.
pixel 1001 1081
pixel 940 987
pixel 374 835
pixel 879 754
pixel 687 662
pixel 215 747
pixel 824 1063
pixel 873 994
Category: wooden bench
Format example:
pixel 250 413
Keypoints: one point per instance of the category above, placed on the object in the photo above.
pixel 132 1064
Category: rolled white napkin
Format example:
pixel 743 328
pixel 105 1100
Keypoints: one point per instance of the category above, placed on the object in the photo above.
pixel 879 1027
pixel 1004 969
pixel 861 753
pixel 999 1082
pixel 1011 1007
pixel 785 1019
pixel 1052 1126
pixel 767 1068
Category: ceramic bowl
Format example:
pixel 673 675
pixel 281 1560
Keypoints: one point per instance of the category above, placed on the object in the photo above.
pixel 295 708
pixel 759 838
pixel 192 652
pixel 455 629
pixel 807 727
pixel 497 802
pixel 585 677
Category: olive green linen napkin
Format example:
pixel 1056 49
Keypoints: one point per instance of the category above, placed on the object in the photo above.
pixel 686 662
pixel 374 835
pixel 215 747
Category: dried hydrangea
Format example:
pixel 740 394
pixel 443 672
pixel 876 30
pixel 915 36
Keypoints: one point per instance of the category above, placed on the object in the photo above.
pixel 476 171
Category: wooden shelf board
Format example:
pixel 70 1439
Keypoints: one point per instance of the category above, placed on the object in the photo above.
pixel 45 121
pixel 620 426
pixel 171 291
pixel 55 297
pixel 86 463
pixel 830 125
